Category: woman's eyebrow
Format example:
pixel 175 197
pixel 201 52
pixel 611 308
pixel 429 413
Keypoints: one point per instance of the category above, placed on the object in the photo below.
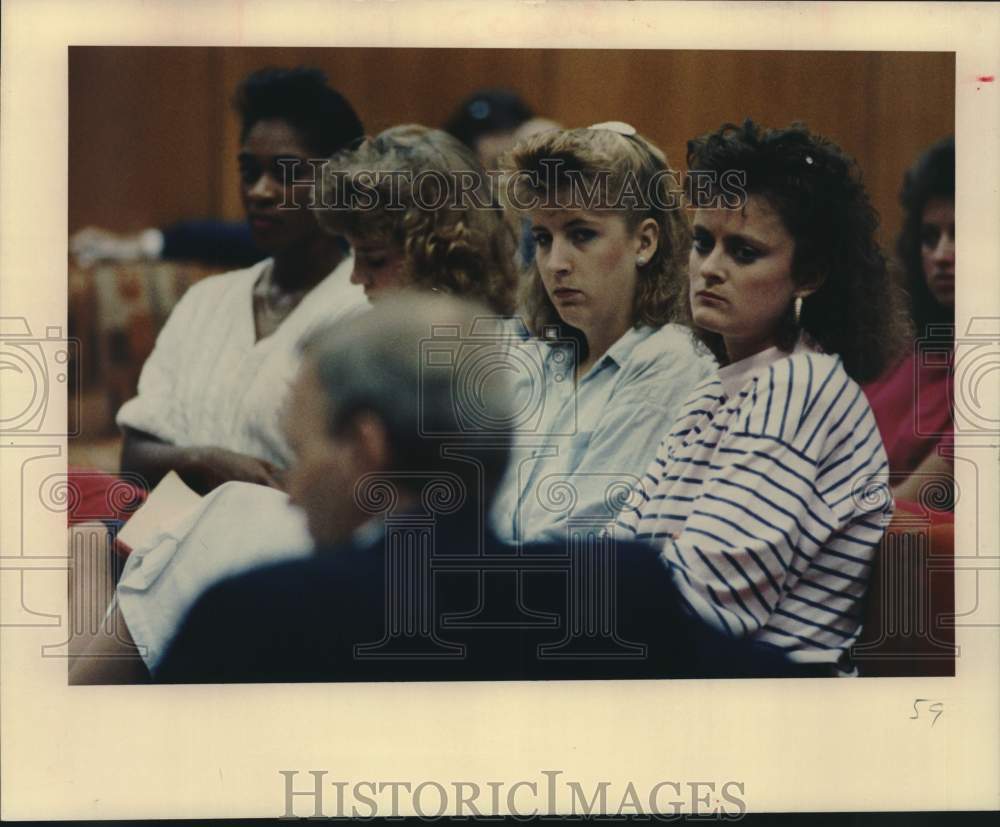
pixel 571 223
pixel 743 238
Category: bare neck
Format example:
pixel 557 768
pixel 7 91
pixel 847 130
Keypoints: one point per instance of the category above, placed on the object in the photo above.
pixel 302 268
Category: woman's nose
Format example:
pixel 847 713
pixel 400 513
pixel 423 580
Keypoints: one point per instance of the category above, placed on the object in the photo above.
pixel 712 268
pixel 945 249
pixel 558 261
pixel 263 189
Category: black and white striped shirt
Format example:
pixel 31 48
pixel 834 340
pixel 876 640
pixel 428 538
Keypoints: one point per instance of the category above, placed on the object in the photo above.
pixel 769 497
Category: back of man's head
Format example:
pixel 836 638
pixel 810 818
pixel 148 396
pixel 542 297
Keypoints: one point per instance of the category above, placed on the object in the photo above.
pixel 428 368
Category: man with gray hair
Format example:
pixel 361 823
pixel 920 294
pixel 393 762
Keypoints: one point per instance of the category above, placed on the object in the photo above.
pixel 396 464
pixel 389 470
pixel 369 420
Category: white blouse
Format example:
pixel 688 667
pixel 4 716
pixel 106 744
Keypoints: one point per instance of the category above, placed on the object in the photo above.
pixel 209 381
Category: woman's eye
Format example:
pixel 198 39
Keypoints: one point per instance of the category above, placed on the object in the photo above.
pixel 703 244
pixel 746 255
pixel 248 174
pixel 929 236
pixel 582 235
pixel 375 263
pixel 542 239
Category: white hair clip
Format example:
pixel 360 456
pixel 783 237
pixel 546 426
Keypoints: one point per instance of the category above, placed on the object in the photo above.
pixel 620 127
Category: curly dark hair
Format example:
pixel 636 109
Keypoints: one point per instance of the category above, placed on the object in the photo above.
pixel 593 153
pixel 300 96
pixel 931 176
pixel 463 247
pixel 858 311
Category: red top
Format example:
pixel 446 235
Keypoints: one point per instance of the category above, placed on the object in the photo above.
pixel 912 405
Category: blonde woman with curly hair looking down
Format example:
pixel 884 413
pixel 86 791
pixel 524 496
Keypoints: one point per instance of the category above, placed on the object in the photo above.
pixel 416 207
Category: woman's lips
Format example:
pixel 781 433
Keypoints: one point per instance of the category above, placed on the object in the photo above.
pixel 263 222
pixel 708 296
pixel 566 294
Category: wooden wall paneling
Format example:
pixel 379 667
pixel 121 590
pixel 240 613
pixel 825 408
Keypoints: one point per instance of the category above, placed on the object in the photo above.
pixel 231 71
pixel 153 137
pixel 140 121
pixel 913 105
pixel 593 86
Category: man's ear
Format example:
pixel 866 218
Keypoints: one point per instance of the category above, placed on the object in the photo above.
pixel 370 443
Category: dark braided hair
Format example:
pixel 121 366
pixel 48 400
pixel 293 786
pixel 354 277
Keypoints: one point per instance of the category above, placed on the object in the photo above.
pixel 816 189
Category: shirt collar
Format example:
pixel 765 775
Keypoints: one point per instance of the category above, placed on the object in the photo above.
pixel 620 352
pixel 736 376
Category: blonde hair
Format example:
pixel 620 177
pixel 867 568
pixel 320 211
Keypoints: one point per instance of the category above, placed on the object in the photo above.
pixel 543 168
pixel 392 182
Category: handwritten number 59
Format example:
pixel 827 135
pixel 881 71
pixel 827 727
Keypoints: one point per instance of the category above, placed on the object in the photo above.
pixel 936 708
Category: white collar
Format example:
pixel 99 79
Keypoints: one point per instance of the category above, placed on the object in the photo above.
pixel 737 375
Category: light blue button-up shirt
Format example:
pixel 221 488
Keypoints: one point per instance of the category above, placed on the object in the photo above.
pixel 581 446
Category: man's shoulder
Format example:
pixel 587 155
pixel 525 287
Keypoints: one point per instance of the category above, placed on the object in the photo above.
pixel 617 552
pixel 287 579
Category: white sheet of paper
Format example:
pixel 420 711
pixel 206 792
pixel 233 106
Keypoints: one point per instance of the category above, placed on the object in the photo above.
pixel 169 500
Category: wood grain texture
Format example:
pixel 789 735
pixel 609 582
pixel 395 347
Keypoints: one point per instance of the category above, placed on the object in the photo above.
pixel 153 138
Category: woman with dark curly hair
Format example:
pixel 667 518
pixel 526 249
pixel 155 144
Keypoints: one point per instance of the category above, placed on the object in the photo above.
pixel 917 390
pixel 768 495
pixel 605 212
pixel 424 217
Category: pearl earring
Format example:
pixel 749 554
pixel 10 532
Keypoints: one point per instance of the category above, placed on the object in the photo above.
pixel 798 309
pixel 641 262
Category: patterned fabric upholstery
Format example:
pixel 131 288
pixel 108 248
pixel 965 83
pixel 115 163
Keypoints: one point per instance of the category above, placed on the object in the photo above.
pixel 116 312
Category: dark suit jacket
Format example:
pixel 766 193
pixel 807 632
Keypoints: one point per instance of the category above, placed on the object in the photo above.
pixel 455 609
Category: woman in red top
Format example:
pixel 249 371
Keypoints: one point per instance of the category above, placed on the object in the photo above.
pixel 912 401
